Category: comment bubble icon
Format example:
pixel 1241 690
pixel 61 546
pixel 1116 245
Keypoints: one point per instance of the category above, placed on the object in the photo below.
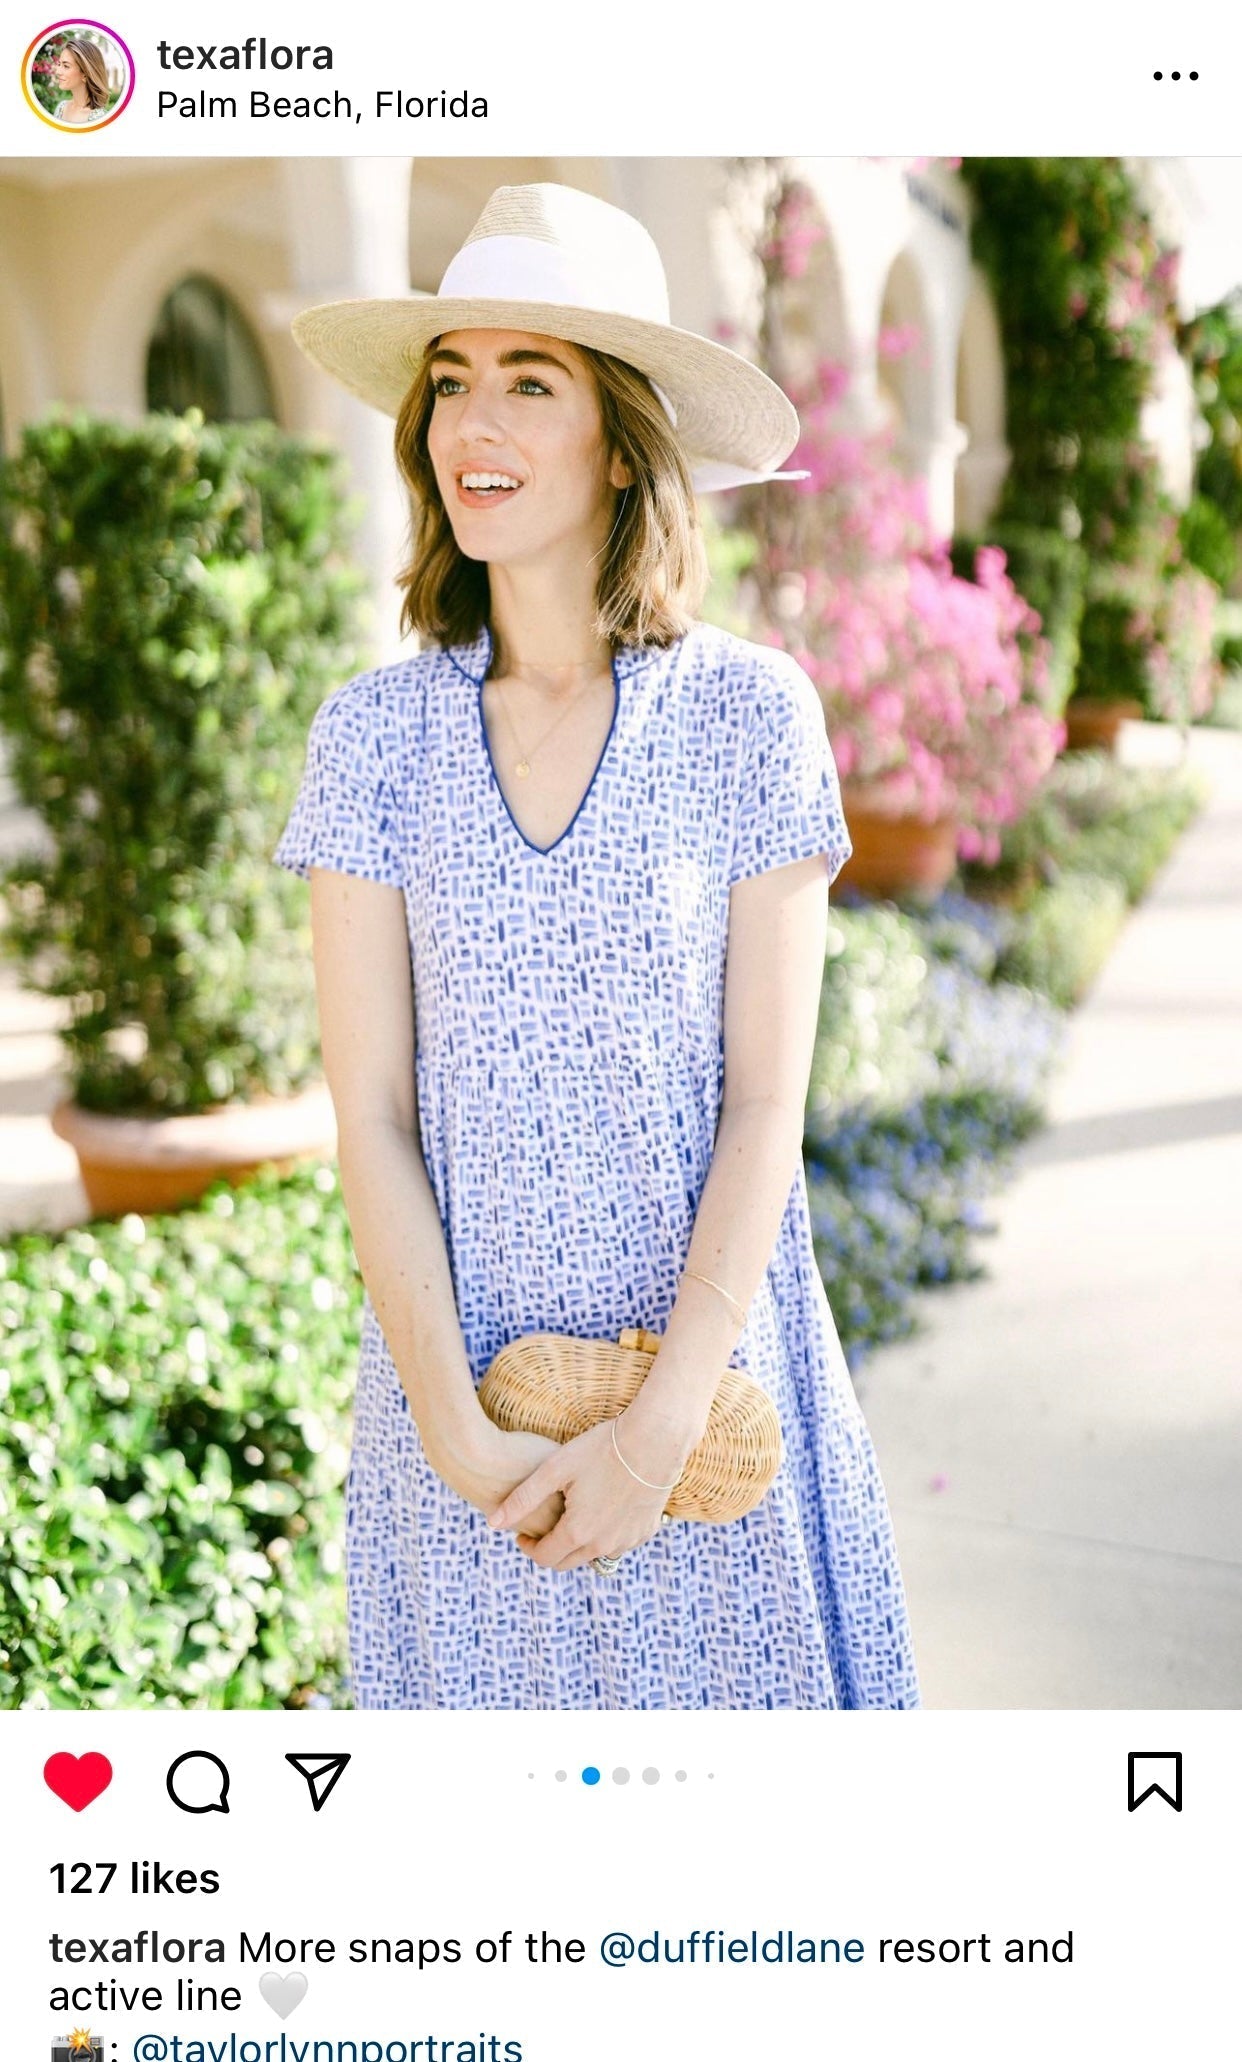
pixel 198 1782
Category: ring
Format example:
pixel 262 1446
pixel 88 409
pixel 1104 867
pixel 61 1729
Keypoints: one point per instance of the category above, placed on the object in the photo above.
pixel 606 1564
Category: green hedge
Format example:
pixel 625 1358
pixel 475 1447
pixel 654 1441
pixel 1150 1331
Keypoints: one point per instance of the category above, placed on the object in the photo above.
pixel 175 601
pixel 173 1445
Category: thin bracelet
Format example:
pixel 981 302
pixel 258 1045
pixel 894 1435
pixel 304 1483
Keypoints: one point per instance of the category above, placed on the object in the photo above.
pixel 696 1277
pixel 663 1487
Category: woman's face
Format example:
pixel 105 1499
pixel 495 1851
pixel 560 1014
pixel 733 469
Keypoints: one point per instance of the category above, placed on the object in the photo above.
pixel 516 443
pixel 68 70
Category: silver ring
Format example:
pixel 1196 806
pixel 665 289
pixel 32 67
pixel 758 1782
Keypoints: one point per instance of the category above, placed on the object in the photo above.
pixel 606 1564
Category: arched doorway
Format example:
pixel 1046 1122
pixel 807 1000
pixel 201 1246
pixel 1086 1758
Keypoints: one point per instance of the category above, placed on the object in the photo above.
pixel 904 383
pixel 204 354
pixel 980 407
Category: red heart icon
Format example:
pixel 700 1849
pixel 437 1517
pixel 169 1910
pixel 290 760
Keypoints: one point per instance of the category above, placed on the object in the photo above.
pixel 77 1779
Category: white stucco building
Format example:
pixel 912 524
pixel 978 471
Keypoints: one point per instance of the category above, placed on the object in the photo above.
pixel 122 279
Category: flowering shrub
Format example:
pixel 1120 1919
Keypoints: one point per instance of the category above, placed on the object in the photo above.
pixel 1183 672
pixel 1212 525
pixel 935 688
pixel 1087 301
pixel 1151 637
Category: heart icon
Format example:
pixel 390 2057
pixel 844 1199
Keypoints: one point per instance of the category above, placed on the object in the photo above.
pixel 77 1779
pixel 283 1993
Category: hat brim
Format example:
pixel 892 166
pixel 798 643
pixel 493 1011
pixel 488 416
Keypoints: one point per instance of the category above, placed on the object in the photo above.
pixel 729 413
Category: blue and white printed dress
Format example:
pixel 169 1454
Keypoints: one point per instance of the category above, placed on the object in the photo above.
pixel 570 1062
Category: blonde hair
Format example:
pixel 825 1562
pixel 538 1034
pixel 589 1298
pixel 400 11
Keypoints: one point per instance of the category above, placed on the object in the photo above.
pixel 653 570
pixel 94 70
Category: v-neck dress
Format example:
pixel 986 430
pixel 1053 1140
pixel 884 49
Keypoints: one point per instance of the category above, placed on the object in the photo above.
pixel 569 1065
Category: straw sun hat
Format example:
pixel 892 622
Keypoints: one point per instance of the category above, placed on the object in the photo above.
pixel 557 262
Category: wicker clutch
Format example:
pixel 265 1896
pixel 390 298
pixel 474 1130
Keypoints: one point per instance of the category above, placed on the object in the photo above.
pixel 561 1386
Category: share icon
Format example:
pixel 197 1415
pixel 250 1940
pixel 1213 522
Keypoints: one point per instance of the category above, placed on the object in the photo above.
pixel 322 1772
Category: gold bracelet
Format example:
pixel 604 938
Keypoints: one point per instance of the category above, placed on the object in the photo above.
pixel 694 1276
pixel 663 1487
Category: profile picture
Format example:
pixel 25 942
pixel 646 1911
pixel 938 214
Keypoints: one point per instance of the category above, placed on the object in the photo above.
pixel 78 75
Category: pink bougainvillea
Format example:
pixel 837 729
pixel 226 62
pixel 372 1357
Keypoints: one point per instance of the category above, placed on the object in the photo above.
pixel 934 687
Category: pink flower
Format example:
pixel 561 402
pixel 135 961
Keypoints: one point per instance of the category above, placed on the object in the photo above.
pixel 934 687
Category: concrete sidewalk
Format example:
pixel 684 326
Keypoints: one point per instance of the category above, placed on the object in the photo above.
pixel 1062 1445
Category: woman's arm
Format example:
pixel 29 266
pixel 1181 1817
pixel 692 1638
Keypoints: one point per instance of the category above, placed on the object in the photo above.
pixel 366 1022
pixel 778 924
pixel 778 935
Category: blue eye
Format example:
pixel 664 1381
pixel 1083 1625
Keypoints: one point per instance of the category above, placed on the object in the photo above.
pixel 528 380
pixel 442 382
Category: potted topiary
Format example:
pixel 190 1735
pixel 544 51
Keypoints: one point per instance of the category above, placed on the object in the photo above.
pixel 174 602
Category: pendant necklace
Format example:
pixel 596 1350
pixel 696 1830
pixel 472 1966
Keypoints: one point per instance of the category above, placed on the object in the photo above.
pixel 521 766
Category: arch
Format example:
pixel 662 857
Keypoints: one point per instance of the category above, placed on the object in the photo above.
pixel 807 314
pixel 203 353
pixel 187 236
pixel 980 407
pixel 905 378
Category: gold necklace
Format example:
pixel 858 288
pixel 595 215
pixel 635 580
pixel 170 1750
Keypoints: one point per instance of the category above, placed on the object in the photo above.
pixel 521 765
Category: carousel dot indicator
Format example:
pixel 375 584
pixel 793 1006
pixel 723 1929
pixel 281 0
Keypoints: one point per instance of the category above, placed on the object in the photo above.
pixel 651 1775
pixel 562 1775
pixel 590 1776
pixel 620 1775
pixel 680 1777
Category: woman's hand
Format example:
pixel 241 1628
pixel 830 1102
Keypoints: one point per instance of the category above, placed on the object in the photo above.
pixel 498 1464
pixel 606 1511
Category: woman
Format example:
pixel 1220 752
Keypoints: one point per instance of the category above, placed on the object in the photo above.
pixel 562 822
pixel 81 72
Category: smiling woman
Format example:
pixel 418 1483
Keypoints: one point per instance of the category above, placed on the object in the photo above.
pixel 570 871
pixel 81 72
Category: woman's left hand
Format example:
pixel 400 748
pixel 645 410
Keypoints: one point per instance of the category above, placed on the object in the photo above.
pixel 606 1510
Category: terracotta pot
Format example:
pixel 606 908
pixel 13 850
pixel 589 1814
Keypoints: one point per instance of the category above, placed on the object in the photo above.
pixel 1092 725
pixel 159 1163
pixel 893 854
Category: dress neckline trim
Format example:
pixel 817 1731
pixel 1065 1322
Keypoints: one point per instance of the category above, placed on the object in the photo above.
pixel 545 850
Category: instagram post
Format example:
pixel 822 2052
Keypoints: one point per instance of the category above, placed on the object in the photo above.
pixel 620 860
pixel 232 1483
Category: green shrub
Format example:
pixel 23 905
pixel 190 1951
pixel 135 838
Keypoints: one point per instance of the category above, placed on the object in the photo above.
pixel 1208 540
pixel 1095 816
pixel 1067 935
pixel 172 1451
pixel 174 602
pixel 1114 636
pixel 1226 710
pixel 1149 636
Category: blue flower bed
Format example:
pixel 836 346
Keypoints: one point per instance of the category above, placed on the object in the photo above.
pixel 912 1127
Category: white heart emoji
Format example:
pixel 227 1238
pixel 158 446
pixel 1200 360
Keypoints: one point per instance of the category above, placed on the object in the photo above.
pixel 283 1993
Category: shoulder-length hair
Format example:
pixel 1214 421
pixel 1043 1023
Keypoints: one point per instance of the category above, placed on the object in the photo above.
pixel 653 570
pixel 92 67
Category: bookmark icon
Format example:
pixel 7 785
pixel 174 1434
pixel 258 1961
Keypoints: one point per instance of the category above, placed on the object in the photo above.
pixel 322 1773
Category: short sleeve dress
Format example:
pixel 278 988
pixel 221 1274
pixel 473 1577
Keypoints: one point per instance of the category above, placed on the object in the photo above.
pixel 569 1066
